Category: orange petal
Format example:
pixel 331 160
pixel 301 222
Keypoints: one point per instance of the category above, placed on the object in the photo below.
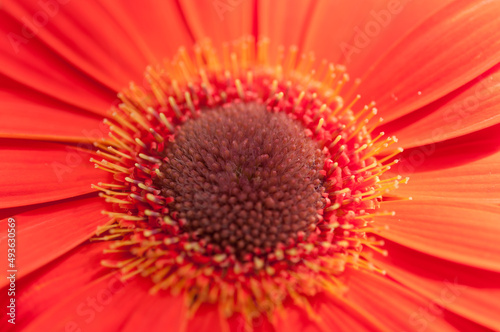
pixel 477 181
pixel 450 153
pixel 53 281
pixel 151 313
pixel 361 31
pixel 221 21
pixel 75 292
pixel 285 23
pixel 29 62
pixel 209 318
pixel 58 171
pixel 30 13
pixel 461 232
pixel 139 41
pixel 144 23
pixel 397 308
pixel 106 305
pixel 466 291
pixel 332 315
pixel 53 231
pixel 31 115
pixel 436 58
pixel 472 107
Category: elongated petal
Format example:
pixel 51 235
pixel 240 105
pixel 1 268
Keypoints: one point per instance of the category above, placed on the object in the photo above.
pixel 332 315
pixel 285 22
pixel 28 169
pixel 468 292
pixel 28 61
pixel 460 232
pixel 472 107
pixel 477 181
pixel 397 308
pixel 77 292
pixel 139 41
pixel 221 21
pixel 362 31
pixel 45 234
pixel 155 28
pixel 103 306
pixel 57 279
pixel 450 153
pixel 33 116
pixel 429 62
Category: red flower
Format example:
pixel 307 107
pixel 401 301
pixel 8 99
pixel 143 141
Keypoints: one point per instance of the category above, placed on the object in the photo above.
pixel 433 71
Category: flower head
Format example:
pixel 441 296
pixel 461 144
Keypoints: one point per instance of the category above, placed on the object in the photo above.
pixel 246 185
pixel 243 184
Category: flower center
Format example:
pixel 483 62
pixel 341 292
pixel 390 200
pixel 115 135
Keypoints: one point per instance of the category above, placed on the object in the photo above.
pixel 244 180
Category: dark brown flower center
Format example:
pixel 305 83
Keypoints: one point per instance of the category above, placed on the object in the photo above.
pixel 244 179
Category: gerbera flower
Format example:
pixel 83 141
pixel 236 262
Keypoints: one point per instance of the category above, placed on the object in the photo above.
pixel 238 185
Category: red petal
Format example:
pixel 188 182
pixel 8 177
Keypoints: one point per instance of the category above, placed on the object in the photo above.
pixel 221 21
pixel 466 291
pixel 208 318
pixel 450 153
pixel 56 280
pixel 33 116
pixel 477 181
pixel 137 31
pixel 53 231
pixel 460 232
pixel 284 24
pixel 472 107
pixel 144 23
pixel 332 315
pixel 58 171
pixel 436 58
pixel 362 30
pixel 77 292
pixel 32 64
pixel 105 305
pixel 397 308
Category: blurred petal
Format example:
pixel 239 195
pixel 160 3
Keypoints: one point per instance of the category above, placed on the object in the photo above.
pixel 34 116
pixel 53 231
pixel 156 28
pixel 56 170
pixel 59 278
pixel 460 232
pixel 285 22
pixel 221 21
pixel 105 304
pixel 477 181
pixel 362 30
pixel 397 308
pixel 450 153
pixel 470 108
pixel 35 66
pixel 77 292
pixel 467 291
pixel 407 77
